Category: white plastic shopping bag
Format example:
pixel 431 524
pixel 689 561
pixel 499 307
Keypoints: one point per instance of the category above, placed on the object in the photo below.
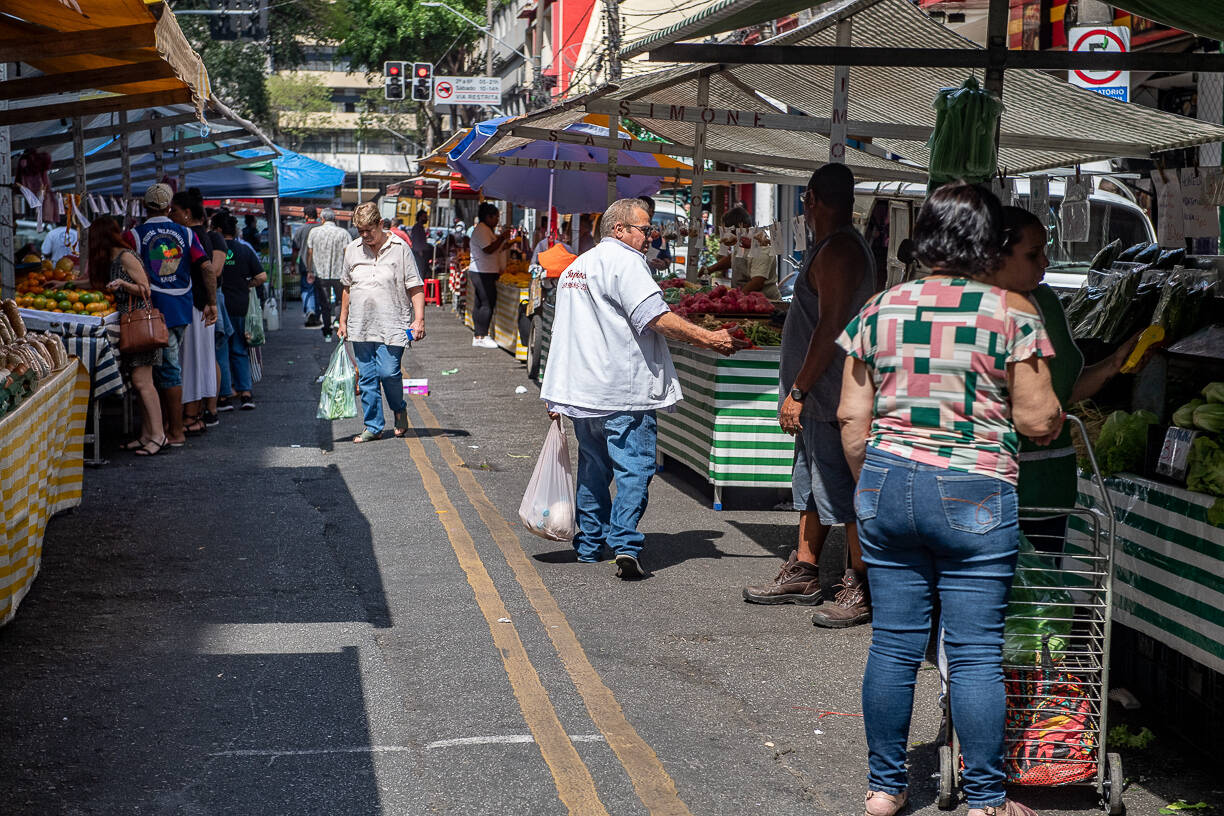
pixel 548 505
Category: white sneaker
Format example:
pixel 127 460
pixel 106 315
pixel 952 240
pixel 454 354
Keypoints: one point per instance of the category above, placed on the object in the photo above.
pixel 489 343
pixel 476 342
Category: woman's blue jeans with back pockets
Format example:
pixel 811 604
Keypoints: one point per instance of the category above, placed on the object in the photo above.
pixel 618 447
pixel 929 531
pixel 379 364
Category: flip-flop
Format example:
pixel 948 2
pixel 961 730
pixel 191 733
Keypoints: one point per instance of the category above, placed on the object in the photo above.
pixel 158 446
pixel 366 436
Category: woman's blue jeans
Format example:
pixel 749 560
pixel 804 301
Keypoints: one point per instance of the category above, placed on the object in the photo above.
pixel 927 532
pixel 621 448
pixel 379 364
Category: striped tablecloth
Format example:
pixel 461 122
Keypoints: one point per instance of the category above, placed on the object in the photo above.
pixel 1168 566
pixel 42 444
pixel 95 341
pixel 98 349
pixel 726 427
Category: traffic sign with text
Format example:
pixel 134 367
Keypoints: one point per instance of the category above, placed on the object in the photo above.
pixel 1115 39
pixel 467 90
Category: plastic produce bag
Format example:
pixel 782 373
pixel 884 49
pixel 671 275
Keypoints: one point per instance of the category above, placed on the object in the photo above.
pixel 1037 609
pixel 338 399
pixel 962 144
pixel 271 314
pixel 254 323
pixel 548 508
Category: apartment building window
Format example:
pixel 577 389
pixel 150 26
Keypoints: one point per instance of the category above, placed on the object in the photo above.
pixel 317 143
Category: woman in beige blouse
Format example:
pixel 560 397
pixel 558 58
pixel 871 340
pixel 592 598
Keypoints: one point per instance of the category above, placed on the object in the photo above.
pixel 382 308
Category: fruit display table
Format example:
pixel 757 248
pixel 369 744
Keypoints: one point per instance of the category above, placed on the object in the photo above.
pixel 1168 566
pixel 505 328
pixel 726 427
pixel 42 442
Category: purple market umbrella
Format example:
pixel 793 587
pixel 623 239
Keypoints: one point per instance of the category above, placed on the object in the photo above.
pixel 557 173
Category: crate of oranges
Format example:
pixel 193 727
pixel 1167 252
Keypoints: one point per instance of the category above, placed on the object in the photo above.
pixel 55 290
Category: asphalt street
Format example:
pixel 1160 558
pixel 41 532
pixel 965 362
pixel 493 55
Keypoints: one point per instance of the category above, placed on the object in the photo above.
pixel 273 620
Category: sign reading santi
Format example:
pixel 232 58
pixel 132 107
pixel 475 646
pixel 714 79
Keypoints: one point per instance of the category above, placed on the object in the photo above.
pixel 1094 39
pixel 460 90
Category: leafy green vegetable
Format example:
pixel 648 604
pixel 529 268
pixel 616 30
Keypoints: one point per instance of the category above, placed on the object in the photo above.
pixel 1205 472
pixel 1121 737
pixel 1183 417
pixel 1215 513
pixel 1209 417
pixel 1123 441
pixel 1214 392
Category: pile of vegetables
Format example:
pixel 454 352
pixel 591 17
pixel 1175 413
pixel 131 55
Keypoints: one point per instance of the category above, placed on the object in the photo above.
pixel 1137 287
pixel 758 332
pixel 1123 441
pixel 723 300
pixel 962 144
pixel 1205 466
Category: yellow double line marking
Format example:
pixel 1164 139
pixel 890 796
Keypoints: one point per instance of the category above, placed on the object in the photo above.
pixel 651 782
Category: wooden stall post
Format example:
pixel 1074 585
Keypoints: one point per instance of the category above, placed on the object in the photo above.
pixel 78 155
pixel 696 235
pixel 8 272
pixel 841 99
pixel 155 137
pixel 613 155
pixel 125 161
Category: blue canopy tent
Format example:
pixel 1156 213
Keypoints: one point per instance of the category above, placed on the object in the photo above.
pixel 296 176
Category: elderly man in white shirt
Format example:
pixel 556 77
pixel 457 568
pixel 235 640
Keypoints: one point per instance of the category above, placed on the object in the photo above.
pixel 609 371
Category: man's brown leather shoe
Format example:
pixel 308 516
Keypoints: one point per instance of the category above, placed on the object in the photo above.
pixel 850 607
pixel 798 582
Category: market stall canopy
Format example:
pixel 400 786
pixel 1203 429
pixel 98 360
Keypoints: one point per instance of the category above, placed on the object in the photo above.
pixel 97 56
pixel 564 174
pixel 1048 123
pixel 175 131
pixel 297 176
pixel 1200 17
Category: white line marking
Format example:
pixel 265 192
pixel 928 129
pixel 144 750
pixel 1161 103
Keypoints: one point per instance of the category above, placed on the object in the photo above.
pixel 508 739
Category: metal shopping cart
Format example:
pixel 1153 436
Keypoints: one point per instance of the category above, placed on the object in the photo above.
pixel 1056 656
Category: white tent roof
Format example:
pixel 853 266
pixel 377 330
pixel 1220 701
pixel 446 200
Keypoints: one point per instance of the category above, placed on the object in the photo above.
pixel 1048 123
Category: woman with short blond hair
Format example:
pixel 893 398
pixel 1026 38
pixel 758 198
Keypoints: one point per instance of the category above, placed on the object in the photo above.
pixel 382 308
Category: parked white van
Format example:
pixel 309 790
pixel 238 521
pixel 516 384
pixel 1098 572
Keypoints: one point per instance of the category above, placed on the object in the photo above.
pixel 885 212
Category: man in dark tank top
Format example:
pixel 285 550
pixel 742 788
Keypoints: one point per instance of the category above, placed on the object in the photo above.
pixel 837 278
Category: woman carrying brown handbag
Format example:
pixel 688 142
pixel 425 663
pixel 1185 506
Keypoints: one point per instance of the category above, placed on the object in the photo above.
pixel 115 267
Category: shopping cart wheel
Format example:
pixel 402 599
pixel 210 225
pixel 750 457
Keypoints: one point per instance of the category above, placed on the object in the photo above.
pixel 535 348
pixel 946 799
pixel 1113 785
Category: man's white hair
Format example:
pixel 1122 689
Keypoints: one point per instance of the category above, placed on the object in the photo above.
pixel 620 212
pixel 328 214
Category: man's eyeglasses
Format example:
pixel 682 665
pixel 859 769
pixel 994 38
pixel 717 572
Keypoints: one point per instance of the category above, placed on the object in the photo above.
pixel 645 228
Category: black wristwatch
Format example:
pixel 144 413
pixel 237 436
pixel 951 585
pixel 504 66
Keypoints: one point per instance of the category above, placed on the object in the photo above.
pixel 797 395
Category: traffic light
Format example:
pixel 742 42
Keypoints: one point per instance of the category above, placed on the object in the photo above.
pixel 393 80
pixel 422 82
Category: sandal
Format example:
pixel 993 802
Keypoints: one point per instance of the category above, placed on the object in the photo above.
pixel 879 803
pixel 194 425
pixel 401 424
pixel 366 436
pixel 157 448
pixel 133 444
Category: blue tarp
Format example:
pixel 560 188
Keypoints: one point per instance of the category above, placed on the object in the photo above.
pixel 299 176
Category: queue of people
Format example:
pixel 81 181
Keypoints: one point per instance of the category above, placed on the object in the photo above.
pixel 195 277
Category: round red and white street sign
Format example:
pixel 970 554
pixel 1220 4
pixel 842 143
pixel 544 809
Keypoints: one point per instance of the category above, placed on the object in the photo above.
pixel 444 90
pixel 1112 44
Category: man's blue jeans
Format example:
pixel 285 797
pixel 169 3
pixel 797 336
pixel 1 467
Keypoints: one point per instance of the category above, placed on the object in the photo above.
pixel 925 531
pixel 378 363
pixel 618 447
pixel 233 358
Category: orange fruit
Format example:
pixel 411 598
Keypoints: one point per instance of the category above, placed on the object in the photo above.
pixel 46 264
pixel 65 263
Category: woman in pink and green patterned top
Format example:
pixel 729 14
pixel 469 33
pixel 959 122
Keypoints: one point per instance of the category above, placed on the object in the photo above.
pixel 944 374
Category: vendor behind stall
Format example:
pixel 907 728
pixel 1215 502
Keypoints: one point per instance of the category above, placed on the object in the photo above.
pixel 751 272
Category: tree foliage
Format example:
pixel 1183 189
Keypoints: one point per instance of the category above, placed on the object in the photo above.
pixel 236 68
pixel 297 100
